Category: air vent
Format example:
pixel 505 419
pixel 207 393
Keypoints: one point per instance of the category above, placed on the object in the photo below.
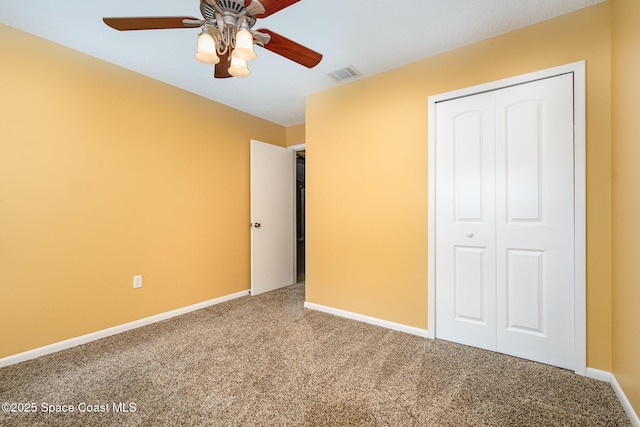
pixel 344 74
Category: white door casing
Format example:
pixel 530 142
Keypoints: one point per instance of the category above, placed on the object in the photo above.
pixel 524 266
pixel 272 217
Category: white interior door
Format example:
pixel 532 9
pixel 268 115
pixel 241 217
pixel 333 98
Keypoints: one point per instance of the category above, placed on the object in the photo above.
pixel 535 220
pixel 505 221
pixel 272 217
pixel 466 242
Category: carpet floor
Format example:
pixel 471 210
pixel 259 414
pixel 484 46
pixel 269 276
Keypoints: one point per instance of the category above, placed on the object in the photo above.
pixel 267 361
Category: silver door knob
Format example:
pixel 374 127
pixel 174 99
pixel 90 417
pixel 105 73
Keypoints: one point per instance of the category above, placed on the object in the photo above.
pixel 469 234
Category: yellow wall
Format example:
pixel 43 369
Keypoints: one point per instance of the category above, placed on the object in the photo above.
pixel 105 174
pixel 295 135
pixel 626 198
pixel 367 172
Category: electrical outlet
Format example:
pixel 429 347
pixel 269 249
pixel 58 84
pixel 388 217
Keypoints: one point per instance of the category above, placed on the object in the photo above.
pixel 137 281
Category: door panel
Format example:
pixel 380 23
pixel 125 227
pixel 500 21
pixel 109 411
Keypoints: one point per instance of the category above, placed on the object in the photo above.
pixel 465 238
pixel 469 285
pixel 523 166
pixel 272 204
pixel 467 146
pixel 526 302
pixel 535 120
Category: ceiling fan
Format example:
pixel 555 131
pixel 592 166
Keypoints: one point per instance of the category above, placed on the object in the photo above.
pixel 227 36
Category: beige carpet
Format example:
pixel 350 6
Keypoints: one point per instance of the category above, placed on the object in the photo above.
pixel 266 361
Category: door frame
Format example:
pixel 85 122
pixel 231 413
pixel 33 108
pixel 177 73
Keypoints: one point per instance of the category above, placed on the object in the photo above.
pixel 579 153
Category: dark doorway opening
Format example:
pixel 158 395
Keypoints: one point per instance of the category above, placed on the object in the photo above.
pixel 300 215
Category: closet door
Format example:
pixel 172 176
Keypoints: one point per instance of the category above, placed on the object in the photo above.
pixel 465 221
pixel 535 221
pixel 504 221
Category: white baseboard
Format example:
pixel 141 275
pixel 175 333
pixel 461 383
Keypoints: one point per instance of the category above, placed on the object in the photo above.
pixel 633 417
pixel 63 345
pixel 599 375
pixel 611 379
pixel 366 319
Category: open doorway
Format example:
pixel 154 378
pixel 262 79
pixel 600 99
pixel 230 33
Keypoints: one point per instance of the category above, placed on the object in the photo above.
pixel 300 215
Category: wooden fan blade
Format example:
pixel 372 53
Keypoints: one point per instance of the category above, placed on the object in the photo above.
pixel 291 50
pixel 222 68
pixel 151 23
pixel 273 6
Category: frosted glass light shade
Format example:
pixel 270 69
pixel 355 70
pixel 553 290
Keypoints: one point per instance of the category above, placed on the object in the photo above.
pixel 238 67
pixel 207 49
pixel 244 46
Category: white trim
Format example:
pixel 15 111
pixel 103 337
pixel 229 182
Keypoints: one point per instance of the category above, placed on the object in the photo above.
pixel 580 216
pixel 299 147
pixel 597 374
pixel 580 247
pixel 73 342
pixel 633 417
pixel 366 319
pixel 431 217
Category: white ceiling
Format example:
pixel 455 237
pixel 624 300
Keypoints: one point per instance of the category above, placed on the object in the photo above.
pixel 372 35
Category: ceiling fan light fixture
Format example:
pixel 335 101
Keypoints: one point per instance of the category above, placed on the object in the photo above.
pixel 239 67
pixel 244 46
pixel 227 38
pixel 207 48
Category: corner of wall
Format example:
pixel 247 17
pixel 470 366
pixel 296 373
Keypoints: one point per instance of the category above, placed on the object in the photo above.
pixel 295 135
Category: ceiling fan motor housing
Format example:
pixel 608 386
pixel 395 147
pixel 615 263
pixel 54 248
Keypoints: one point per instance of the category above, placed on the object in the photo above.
pixel 230 11
pixel 236 6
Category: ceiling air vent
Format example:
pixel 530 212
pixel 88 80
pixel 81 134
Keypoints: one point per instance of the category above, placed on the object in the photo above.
pixel 344 74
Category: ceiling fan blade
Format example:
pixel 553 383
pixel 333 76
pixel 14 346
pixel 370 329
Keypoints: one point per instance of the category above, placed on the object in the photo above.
pixel 291 50
pixel 152 23
pixel 273 6
pixel 222 68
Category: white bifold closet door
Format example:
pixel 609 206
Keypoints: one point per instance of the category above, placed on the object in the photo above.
pixel 505 221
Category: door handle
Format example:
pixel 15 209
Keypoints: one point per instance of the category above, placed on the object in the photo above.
pixel 469 234
pixel 255 225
